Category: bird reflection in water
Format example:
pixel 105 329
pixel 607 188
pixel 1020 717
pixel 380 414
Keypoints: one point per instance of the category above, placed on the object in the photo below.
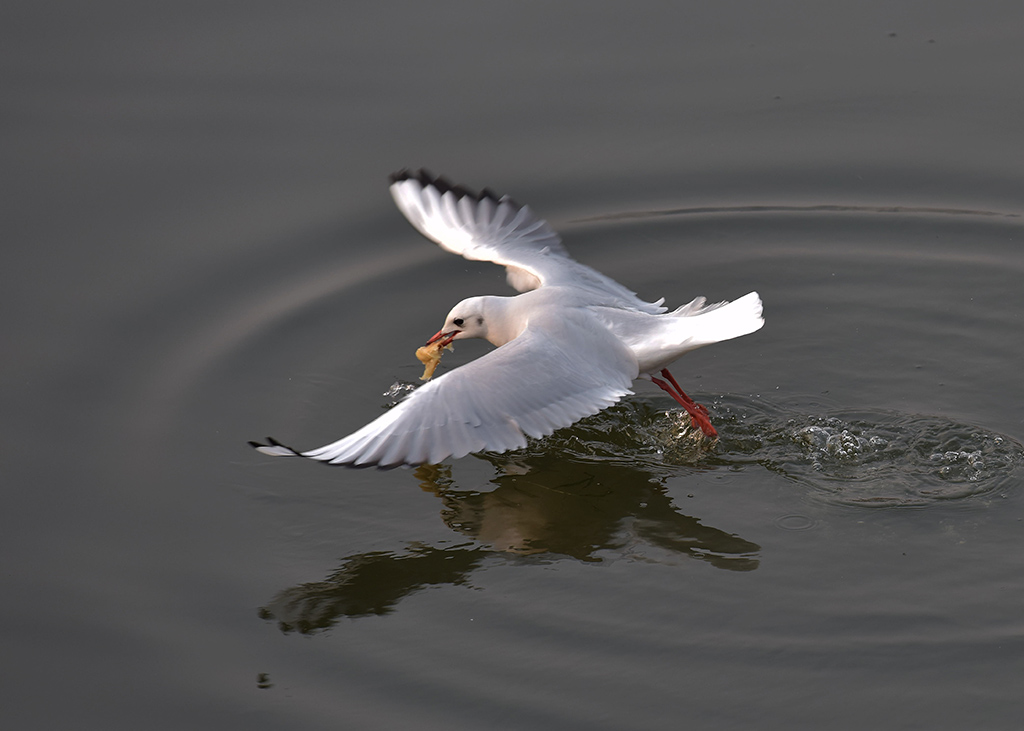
pixel 542 505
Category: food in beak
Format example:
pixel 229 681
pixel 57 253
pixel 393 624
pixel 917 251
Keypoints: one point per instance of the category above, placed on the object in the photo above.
pixel 430 354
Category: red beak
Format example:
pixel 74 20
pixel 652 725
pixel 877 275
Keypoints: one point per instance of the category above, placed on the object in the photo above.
pixel 445 338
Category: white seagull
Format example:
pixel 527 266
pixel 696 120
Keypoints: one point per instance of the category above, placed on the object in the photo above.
pixel 569 346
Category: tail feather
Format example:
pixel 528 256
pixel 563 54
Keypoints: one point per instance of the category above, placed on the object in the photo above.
pixel 724 321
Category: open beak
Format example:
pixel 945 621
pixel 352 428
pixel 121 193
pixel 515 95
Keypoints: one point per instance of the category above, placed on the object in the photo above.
pixel 445 338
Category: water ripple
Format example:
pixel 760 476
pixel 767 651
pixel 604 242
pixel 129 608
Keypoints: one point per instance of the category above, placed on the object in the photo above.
pixel 869 458
pixel 819 208
pixel 864 458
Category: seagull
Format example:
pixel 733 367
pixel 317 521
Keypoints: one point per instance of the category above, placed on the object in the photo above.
pixel 570 345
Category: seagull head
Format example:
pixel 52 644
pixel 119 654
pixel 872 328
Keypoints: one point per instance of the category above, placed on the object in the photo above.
pixel 466 320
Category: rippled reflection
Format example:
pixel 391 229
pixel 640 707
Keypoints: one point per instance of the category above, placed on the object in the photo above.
pixel 544 501
pixel 370 584
pixel 547 504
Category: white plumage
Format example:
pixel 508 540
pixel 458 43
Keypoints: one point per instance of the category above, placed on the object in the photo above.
pixel 569 346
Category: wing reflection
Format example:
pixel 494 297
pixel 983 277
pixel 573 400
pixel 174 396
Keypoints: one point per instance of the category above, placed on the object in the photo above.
pixel 539 503
pixel 369 584
pixel 548 504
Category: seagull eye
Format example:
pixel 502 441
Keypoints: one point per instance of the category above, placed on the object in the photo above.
pixel 459 322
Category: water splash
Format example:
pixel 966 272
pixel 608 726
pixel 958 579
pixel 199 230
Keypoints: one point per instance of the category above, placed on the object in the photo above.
pixel 866 458
pixel 633 433
pixel 398 391
pixel 869 458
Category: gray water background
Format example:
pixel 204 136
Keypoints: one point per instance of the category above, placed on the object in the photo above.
pixel 200 250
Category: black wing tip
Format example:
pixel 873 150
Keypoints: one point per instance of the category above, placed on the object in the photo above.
pixel 406 174
pixel 271 442
pixel 424 177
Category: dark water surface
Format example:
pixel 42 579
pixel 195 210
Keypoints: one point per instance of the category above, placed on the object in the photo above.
pixel 201 250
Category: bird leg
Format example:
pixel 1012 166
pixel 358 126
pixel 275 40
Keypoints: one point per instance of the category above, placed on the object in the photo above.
pixel 698 414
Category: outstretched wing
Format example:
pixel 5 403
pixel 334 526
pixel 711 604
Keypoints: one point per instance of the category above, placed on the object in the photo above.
pixel 563 367
pixel 484 227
